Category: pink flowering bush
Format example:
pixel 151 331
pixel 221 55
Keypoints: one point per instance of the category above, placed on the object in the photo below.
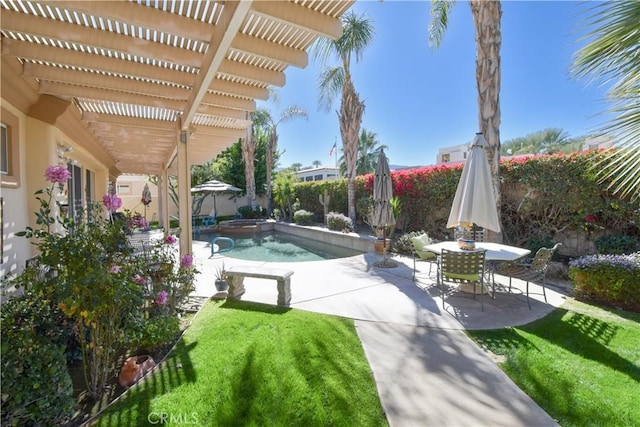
pixel 86 273
pixel 175 278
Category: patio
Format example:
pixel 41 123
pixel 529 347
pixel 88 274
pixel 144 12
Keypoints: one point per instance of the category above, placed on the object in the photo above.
pixel 353 287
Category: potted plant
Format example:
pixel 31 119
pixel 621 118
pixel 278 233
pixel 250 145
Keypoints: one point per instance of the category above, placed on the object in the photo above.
pixel 221 278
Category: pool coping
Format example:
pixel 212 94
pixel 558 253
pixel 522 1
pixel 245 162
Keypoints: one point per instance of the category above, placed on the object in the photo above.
pixel 362 243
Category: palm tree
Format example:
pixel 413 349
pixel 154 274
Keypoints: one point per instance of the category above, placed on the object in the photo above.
pixel 270 126
pixel 368 151
pixel 486 20
pixel 611 55
pixel 316 163
pixel 296 166
pixel 550 140
pixel 356 36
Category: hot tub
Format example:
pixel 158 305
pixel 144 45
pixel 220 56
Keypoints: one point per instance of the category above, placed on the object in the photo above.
pixel 245 225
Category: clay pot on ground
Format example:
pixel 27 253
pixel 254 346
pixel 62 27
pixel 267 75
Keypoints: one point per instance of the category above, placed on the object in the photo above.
pixel 378 246
pixel 134 368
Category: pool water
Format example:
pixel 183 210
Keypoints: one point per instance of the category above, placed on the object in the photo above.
pixel 280 247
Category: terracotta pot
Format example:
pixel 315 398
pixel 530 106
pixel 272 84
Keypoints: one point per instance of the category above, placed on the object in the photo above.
pixel 134 368
pixel 378 246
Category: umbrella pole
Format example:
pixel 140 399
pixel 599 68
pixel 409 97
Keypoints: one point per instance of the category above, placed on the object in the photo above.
pixel 384 244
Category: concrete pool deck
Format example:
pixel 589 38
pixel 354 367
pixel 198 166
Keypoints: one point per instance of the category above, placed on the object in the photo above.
pixel 428 372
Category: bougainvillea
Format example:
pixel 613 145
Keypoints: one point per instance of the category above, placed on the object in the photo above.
pixel 543 196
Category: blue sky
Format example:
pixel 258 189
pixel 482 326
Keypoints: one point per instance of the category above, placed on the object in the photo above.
pixel 419 99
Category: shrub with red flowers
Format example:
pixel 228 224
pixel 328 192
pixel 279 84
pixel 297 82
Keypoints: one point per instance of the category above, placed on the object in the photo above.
pixel 542 197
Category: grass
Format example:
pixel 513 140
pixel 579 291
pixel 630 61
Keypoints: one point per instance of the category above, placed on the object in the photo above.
pixel 581 364
pixel 243 363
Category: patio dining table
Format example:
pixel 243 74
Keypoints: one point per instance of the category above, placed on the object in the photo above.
pixel 494 251
pixel 494 254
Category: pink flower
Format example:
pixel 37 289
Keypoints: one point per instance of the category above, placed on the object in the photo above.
pixel 112 202
pixel 115 269
pixel 139 280
pixel 162 298
pixel 591 218
pixel 186 261
pixel 170 239
pixel 57 174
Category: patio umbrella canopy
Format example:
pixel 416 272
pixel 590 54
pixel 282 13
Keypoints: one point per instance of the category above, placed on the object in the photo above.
pixel 214 187
pixel 475 202
pixel 382 210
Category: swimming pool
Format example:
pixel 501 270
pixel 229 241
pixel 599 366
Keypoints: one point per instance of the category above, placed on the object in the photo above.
pixel 279 247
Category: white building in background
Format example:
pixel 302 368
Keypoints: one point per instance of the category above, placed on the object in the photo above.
pixel 597 143
pixel 323 173
pixel 454 154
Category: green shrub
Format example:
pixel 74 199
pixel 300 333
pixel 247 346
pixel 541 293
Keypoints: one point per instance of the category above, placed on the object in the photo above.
pixel 157 331
pixel 616 244
pixel 248 212
pixel 403 245
pixel 537 242
pixel 612 280
pixel 36 386
pixel 303 217
pixel 338 222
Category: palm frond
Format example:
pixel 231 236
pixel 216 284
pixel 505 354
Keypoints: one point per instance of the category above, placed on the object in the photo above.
pixel 357 35
pixel 292 112
pixel 330 85
pixel 611 56
pixel 439 20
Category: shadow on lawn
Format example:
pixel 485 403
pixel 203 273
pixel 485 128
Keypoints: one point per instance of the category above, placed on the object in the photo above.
pixel 175 370
pixel 235 304
pixel 570 334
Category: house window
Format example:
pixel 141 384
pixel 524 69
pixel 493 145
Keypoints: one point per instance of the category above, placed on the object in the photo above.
pixel 4 153
pixel 317 178
pixel 308 178
pixel 9 150
pixel 123 189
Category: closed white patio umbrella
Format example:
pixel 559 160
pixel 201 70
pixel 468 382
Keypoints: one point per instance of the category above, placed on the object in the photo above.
pixel 475 202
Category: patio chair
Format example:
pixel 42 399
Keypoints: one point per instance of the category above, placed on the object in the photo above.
pixel 210 221
pixel 457 269
pixel 531 270
pixel 419 253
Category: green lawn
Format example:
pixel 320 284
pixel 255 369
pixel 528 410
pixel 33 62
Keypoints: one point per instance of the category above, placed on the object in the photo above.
pixel 581 364
pixel 242 363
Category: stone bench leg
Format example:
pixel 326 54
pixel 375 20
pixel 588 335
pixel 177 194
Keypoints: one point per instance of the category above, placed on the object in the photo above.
pixel 236 286
pixel 284 291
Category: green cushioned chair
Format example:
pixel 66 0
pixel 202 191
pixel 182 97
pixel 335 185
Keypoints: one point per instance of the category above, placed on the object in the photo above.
pixel 419 253
pixel 459 268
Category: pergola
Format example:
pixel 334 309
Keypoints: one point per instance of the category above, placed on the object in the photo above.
pixel 159 85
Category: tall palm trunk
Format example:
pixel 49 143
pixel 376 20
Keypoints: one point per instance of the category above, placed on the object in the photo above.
pixel 486 19
pixel 248 155
pixel 350 117
pixel 272 145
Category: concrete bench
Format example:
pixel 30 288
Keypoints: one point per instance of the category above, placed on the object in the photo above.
pixel 237 273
